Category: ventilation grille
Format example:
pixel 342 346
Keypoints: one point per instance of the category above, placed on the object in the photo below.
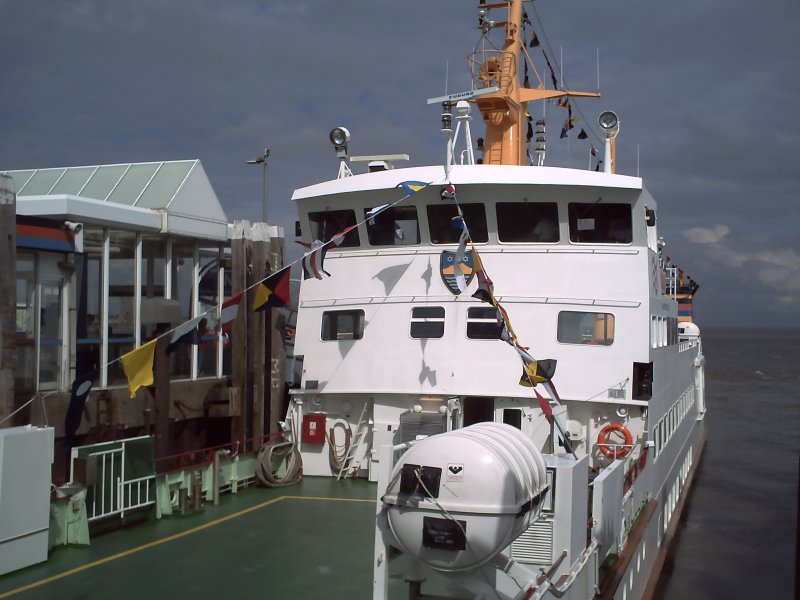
pixel 535 546
pixel 413 424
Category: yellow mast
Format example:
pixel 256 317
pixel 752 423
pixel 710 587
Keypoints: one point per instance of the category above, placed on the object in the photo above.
pixel 504 111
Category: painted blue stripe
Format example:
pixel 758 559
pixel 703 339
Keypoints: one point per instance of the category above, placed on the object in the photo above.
pixel 29 241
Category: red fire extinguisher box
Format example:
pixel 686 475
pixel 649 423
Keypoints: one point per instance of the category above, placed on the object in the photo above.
pixel 314 428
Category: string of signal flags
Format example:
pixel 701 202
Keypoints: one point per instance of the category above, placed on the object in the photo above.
pixel 570 120
pixel 273 291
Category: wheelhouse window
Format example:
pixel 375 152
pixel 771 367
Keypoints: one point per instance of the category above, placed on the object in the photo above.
pixel 326 225
pixel 443 224
pixel 527 222
pixel 427 322
pixel 600 223
pixel 482 323
pixel 594 329
pixel 395 226
pixel 342 325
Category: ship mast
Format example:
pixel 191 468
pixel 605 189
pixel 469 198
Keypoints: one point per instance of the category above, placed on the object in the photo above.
pixel 503 111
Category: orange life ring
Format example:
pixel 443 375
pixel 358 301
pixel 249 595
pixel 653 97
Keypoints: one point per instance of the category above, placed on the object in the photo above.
pixel 612 450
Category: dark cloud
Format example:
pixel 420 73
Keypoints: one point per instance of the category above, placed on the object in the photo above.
pixel 706 92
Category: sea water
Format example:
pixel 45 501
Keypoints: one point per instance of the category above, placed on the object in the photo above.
pixel 739 530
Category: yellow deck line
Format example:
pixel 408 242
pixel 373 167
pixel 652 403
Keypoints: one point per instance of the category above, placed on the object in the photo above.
pixel 333 499
pixel 169 538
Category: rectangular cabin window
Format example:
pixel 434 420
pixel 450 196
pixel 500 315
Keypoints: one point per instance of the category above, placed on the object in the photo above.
pixel 427 322
pixel 441 222
pixel 527 222
pixel 342 325
pixel 395 226
pixel 593 329
pixel 482 323
pixel 326 225
pixel 600 223
pixel 513 417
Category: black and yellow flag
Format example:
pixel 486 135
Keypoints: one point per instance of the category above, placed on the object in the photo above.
pixel 273 291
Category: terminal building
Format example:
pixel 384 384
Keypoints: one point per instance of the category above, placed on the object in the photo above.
pixel 108 256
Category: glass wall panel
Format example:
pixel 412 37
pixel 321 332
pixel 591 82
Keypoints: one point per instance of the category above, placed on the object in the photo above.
pixel 51 343
pixel 25 370
pixel 182 286
pixel 121 315
pixel 153 249
pixel 208 296
pixel 89 294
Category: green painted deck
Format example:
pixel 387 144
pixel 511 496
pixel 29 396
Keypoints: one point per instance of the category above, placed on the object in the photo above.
pixel 312 540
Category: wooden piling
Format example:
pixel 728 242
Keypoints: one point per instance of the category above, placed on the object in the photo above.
pixel 8 250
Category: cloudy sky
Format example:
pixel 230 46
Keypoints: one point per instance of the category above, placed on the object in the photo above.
pixel 706 91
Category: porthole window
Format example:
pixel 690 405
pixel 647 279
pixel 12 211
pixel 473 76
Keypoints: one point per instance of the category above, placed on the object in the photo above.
pixel 342 325
pixel 482 323
pixel 427 322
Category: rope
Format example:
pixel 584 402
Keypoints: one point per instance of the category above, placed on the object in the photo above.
pixel 278 450
pixel 335 459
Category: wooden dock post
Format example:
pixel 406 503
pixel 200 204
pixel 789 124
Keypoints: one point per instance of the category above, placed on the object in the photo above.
pixel 275 345
pixel 256 251
pixel 239 330
pixel 8 267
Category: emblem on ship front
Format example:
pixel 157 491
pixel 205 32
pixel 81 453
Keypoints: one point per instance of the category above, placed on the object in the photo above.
pixel 447 269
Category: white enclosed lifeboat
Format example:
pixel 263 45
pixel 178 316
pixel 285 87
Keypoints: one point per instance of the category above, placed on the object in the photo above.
pixel 456 499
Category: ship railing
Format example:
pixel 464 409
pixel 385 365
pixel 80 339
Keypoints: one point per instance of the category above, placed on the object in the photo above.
pixel 119 476
pixel 635 467
pixel 202 457
pixel 492 68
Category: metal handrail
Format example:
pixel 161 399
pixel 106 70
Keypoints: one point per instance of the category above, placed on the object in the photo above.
pixel 205 456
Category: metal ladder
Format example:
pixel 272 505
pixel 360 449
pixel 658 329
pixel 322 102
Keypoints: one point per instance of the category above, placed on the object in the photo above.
pixel 360 437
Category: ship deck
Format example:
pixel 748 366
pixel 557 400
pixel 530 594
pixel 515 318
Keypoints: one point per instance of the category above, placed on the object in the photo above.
pixel 311 540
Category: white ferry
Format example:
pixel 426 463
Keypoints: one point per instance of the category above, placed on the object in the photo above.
pixel 440 285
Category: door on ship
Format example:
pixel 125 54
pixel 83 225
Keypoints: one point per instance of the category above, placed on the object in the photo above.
pixel 477 409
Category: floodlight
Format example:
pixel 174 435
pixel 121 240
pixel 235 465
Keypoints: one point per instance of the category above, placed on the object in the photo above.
pixel 608 120
pixel 340 136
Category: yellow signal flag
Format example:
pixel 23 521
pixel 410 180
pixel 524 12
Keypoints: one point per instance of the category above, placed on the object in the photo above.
pixel 138 366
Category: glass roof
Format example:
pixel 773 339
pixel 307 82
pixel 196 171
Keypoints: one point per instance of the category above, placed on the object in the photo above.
pixel 134 194
pixel 146 185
